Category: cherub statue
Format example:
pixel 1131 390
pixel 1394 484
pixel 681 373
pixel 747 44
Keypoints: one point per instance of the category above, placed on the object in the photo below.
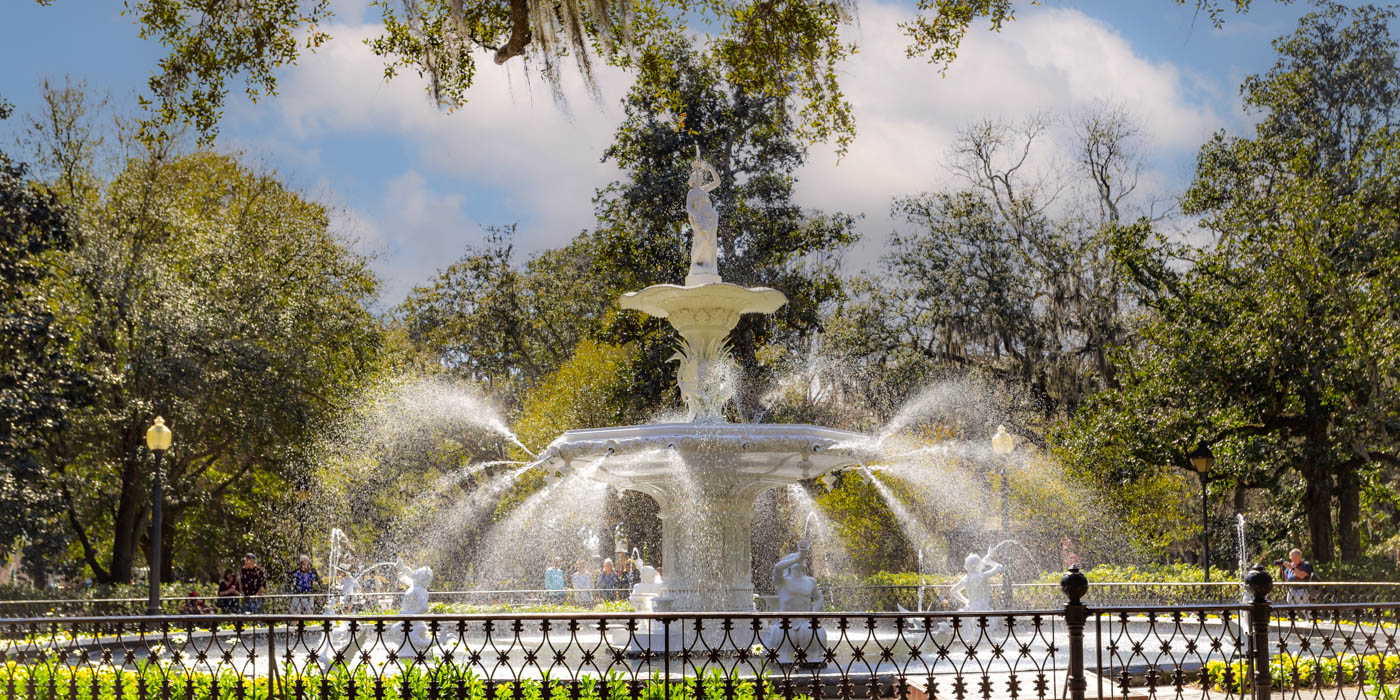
pixel 647 589
pixel 415 602
pixel 974 589
pixel 704 221
pixel 797 592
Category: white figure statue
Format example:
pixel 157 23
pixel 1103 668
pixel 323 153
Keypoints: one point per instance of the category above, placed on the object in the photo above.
pixel 415 602
pixel 647 589
pixel 974 589
pixel 704 222
pixel 797 592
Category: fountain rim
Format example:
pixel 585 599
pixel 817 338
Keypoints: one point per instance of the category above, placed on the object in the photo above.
pixel 832 447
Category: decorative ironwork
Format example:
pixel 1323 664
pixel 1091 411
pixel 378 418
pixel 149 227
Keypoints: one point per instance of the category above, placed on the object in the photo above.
pixel 1076 649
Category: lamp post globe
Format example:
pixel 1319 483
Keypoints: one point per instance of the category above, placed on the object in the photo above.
pixel 158 438
pixel 1202 459
pixel 1003 442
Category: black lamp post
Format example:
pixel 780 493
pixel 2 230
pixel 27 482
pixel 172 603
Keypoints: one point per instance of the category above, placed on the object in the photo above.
pixel 157 441
pixel 303 493
pixel 1202 459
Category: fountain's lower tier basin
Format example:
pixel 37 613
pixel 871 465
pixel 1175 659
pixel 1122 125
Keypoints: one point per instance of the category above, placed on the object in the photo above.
pixel 761 453
pixel 704 478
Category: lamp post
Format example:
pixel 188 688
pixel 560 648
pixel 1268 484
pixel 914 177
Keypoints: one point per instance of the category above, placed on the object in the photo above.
pixel 1002 444
pixel 303 493
pixel 157 441
pixel 1202 459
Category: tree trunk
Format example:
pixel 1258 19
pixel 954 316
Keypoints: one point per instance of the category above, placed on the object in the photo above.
pixel 1317 500
pixel 127 521
pixel 1349 513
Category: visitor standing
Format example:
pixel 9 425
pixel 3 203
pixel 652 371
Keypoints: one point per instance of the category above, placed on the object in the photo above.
pixel 304 582
pixel 554 581
pixel 252 580
pixel 1296 571
pixel 609 581
pixel 229 592
pixel 194 605
pixel 583 584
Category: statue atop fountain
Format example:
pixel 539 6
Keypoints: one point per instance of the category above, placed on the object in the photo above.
pixel 704 223
pixel 797 592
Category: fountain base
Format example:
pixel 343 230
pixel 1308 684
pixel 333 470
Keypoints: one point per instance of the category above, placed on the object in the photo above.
pixel 705 478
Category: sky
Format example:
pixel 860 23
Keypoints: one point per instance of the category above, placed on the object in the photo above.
pixel 413 186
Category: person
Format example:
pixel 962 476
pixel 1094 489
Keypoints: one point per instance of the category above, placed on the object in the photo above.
pixel 194 605
pixel 252 580
pixel 1067 556
pixel 609 581
pixel 228 593
pixel 1296 570
pixel 304 581
pixel 554 581
pixel 629 576
pixel 583 584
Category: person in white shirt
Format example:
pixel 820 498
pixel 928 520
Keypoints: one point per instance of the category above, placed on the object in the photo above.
pixel 582 582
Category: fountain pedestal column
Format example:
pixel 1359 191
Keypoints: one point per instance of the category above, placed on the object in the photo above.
pixel 705 542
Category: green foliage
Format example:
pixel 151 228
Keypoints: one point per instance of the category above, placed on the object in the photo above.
pixel 41 382
pixel 867 528
pixel 1273 345
pixel 940 34
pixel 1291 671
pixel 1153 573
pixel 443 679
pixel 208 293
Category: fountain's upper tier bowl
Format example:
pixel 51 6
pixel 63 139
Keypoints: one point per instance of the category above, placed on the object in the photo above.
pixel 771 453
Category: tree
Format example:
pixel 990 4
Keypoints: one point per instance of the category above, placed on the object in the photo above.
pixel 1008 277
pixel 490 320
pixel 779 48
pixel 1274 343
pixel 40 382
pixel 209 294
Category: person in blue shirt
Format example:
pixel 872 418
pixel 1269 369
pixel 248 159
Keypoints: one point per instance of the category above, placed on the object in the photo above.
pixel 1297 570
pixel 304 581
pixel 554 580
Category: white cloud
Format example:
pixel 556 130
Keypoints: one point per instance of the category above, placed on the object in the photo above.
pixel 540 164
pixel 1053 60
pixel 511 138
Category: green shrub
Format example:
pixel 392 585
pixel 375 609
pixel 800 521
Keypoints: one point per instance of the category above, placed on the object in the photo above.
pixel 445 680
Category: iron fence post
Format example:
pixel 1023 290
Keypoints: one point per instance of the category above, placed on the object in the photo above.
pixel 1260 583
pixel 1075 585
pixel 666 658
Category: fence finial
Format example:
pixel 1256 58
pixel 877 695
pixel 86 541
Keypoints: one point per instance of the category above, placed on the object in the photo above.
pixel 1259 583
pixel 1074 585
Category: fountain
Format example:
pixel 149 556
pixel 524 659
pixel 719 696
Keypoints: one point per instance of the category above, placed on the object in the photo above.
pixel 706 473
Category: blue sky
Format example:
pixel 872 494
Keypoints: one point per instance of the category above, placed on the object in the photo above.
pixel 413 186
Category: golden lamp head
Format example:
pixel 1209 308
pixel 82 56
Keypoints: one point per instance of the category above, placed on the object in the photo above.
pixel 158 436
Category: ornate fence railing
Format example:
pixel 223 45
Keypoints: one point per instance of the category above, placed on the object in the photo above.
pixel 1070 650
pixel 1022 596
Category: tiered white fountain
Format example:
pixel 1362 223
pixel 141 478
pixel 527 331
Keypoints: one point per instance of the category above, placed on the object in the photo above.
pixel 704 474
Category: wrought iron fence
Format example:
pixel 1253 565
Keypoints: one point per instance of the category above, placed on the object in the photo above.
pixel 1074 649
pixel 1021 596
